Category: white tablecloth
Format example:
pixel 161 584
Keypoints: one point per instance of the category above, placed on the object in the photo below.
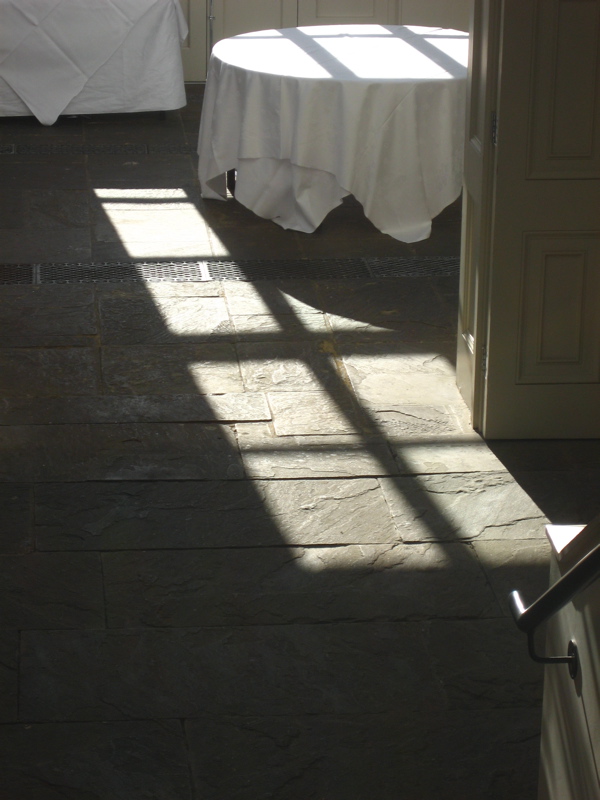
pixel 309 115
pixel 90 56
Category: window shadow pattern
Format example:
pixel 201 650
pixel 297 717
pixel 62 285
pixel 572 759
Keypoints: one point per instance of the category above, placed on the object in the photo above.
pixel 251 549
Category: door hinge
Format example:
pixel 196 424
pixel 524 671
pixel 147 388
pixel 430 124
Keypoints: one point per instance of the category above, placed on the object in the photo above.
pixel 494 129
pixel 484 361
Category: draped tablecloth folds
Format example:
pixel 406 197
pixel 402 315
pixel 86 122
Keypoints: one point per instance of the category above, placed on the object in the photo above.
pixel 90 56
pixel 308 115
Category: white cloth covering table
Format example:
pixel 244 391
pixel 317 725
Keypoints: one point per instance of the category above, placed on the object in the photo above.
pixel 308 115
pixel 90 57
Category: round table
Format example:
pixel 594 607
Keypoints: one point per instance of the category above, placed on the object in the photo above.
pixel 309 115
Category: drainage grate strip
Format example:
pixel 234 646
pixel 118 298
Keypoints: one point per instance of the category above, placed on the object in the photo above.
pixel 413 267
pixel 218 269
pixel 95 149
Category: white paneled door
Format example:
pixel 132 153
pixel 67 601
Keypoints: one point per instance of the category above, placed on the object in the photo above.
pixel 194 49
pixel 436 13
pixel 532 235
pixel 331 12
pixel 241 16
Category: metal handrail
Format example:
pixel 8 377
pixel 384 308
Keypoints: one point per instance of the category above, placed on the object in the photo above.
pixel 529 618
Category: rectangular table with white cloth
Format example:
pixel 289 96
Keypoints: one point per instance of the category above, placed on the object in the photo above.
pixel 90 57
pixel 309 115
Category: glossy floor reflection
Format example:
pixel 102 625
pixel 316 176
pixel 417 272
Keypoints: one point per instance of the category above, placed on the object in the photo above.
pixel 251 547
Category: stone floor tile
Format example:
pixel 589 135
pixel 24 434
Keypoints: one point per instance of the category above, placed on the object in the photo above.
pixel 30 245
pixel 287 366
pixel 140 171
pixel 40 173
pixel 137 127
pixel 389 360
pixel 547 454
pixel 47 316
pixel 13 210
pixel 446 286
pixel 171 369
pixel 16 535
pixel 278 299
pixel 461 507
pixel 329 512
pixel 306 413
pixel 263 586
pixel 51 590
pixel 491 754
pixel 525 567
pixel 387 391
pixel 383 302
pixel 121 199
pixel 120 760
pixel 157 290
pixel 567 496
pixel 235 232
pixel 280 327
pixel 484 664
pixel 466 452
pixel 419 422
pixel 57 209
pixel 9 676
pixel 195 514
pixel 237 407
pixel 348 330
pixel 137 319
pixel 48 372
pixel 144 451
pixel 275 669
pixel 151 233
pixel 344 456
pixel 157 514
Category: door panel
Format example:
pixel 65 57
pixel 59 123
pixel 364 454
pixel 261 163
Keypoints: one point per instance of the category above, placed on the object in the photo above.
pixel 327 12
pixel 477 205
pixel 543 331
pixel 437 13
pixel 193 50
pixel 241 16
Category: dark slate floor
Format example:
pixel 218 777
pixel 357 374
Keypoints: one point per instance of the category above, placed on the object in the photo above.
pixel 250 546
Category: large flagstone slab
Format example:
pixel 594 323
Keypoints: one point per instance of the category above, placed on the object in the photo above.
pixel 150 451
pixel 266 455
pixel 418 421
pixel 525 567
pixel 484 664
pixel 47 316
pixel 160 319
pixel 48 372
pixel 318 412
pixel 167 369
pixel 462 507
pixel 251 586
pixel 466 452
pixel 234 407
pixel 288 366
pixel 195 514
pixel 9 676
pixel 451 755
pixel 302 325
pixel 120 760
pixel 276 299
pixel 51 590
pixel 16 520
pixel 274 669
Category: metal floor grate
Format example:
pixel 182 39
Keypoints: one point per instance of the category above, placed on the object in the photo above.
pixel 50 149
pixel 216 269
